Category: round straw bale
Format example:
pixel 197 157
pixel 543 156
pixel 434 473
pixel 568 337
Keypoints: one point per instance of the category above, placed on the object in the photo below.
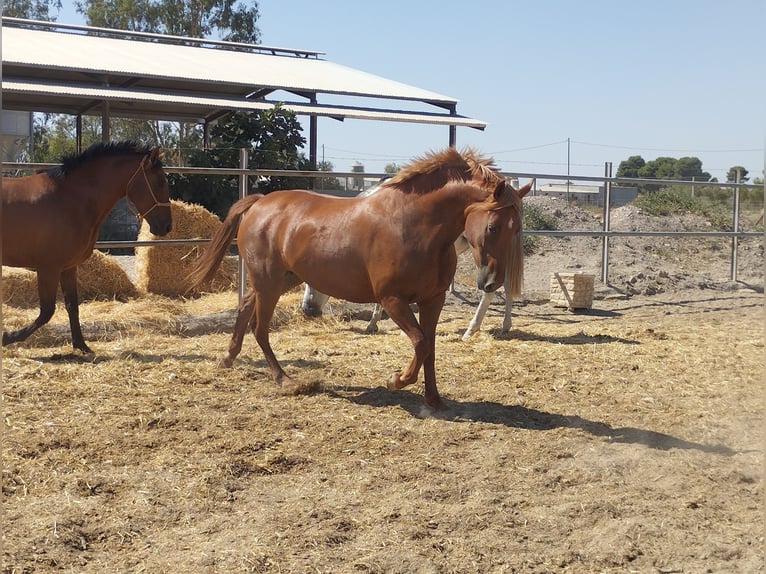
pixel 98 277
pixel 19 287
pixel 163 269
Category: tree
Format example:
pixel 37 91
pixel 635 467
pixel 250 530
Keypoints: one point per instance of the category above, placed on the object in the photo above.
pixel 273 139
pixel 231 20
pixel 686 169
pixel 731 175
pixel 31 9
pixel 631 166
pixel 392 168
pixel 326 182
pixel 690 169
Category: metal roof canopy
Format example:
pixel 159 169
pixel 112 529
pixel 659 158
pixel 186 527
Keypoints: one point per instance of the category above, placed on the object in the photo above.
pixel 82 70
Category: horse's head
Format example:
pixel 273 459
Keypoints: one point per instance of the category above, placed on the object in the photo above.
pixel 148 190
pixel 490 228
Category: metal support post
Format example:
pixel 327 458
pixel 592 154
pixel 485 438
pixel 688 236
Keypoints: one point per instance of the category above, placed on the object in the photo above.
pixel 241 277
pixel 735 228
pixel 607 225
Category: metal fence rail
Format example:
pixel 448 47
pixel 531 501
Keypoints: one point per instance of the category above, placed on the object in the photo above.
pixel 244 174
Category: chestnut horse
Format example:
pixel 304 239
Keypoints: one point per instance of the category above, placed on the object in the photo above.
pixel 51 219
pixel 314 302
pixel 395 247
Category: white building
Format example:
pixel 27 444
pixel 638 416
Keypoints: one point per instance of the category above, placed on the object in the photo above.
pixel 588 194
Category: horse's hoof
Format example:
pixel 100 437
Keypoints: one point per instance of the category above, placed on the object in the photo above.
pixel 468 334
pixel 225 362
pixel 395 382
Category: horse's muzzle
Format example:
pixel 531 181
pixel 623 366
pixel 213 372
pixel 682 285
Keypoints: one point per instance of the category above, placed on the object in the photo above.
pixel 311 310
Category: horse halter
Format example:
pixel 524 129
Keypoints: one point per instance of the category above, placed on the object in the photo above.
pixel 138 214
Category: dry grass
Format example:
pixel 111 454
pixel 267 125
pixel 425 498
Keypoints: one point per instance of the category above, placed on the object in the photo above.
pixel 628 438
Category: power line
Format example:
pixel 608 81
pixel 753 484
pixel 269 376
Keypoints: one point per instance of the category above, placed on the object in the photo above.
pixel 670 149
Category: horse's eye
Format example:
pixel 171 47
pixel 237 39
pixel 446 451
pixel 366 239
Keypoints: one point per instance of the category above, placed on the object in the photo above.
pixel 492 228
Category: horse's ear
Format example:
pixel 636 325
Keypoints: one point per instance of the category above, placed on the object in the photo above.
pixel 156 155
pixel 497 195
pixel 523 190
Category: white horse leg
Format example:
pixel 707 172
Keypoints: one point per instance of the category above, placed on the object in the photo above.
pixel 508 319
pixel 481 310
pixel 377 313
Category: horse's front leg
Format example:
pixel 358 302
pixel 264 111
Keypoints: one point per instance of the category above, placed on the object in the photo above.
pixel 47 285
pixel 508 319
pixel 429 313
pixel 377 314
pixel 72 304
pixel 422 342
pixel 478 317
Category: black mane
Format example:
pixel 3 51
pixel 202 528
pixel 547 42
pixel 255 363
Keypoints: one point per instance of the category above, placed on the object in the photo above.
pixel 72 161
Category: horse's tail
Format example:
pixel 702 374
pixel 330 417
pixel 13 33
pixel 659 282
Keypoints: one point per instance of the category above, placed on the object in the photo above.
pixel 515 267
pixel 207 264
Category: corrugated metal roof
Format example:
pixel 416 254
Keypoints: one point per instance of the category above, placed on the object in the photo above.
pixel 37 93
pixel 76 70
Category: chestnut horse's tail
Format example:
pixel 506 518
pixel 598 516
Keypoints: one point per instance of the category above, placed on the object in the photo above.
pixel 207 264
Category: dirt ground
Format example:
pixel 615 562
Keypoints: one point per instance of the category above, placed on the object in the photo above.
pixel 624 438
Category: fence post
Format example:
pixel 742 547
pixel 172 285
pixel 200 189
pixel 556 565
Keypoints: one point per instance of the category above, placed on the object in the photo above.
pixel 735 228
pixel 241 278
pixel 607 226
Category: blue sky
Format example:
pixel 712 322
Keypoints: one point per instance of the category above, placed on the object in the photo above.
pixel 654 78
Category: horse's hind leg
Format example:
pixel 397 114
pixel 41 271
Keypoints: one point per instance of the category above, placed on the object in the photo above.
pixel 72 304
pixel 244 317
pixel 47 284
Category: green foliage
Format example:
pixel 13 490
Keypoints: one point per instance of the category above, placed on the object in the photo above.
pixel 536 219
pixel 679 200
pixel 273 139
pixel 685 168
pixel 31 9
pixel 231 20
pixel 731 175
pixel 321 183
pixel 631 166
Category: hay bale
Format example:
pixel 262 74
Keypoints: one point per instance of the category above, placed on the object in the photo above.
pixel 99 277
pixel 572 290
pixel 163 269
pixel 19 287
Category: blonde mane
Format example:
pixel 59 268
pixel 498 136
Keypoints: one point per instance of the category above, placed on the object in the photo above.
pixel 434 170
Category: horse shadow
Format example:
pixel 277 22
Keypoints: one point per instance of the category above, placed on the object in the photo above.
pixel 521 417
pixel 580 338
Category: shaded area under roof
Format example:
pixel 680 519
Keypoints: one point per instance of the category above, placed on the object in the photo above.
pixel 49 67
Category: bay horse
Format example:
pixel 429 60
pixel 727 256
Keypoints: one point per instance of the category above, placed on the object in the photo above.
pixel 395 247
pixel 50 219
pixel 313 301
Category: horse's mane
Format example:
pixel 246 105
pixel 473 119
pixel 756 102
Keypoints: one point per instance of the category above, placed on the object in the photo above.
pixel 72 161
pixel 435 169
